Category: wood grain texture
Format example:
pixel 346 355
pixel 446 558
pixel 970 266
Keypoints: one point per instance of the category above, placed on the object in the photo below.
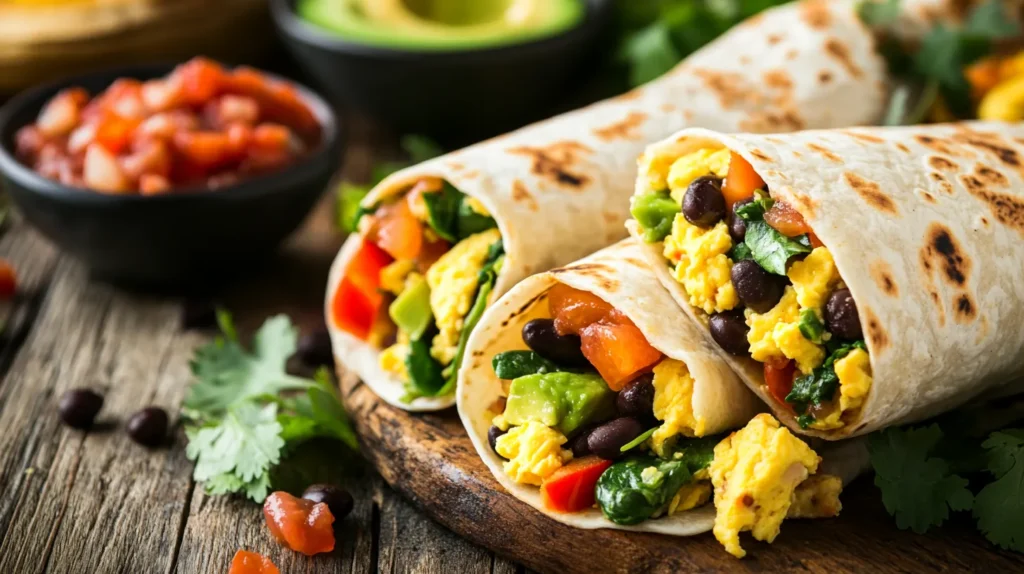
pixel 430 460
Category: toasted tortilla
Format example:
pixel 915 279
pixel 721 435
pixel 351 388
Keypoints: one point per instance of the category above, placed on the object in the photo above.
pixel 619 275
pixel 560 189
pixel 926 226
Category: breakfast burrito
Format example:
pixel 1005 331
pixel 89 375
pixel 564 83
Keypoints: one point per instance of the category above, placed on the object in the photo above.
pixel 438 242
pixel 593 397
pixel 855 279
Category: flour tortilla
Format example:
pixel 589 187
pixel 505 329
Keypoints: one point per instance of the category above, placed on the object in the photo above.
pixel 559 189
pixel 620 276
pixel 926 226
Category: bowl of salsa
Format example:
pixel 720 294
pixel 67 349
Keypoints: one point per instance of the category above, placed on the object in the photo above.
pixel 168 175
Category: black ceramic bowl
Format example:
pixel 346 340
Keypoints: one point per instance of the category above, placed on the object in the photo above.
pixel 452 96
pixel 185 239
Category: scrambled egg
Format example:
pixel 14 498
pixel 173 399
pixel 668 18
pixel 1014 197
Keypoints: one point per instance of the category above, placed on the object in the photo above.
pixel 702 264
pixel 854 373
pixel 453 283
pixel 817 497
pixel 392 277
pixel 755 473
pixel 477 207
pixel 814 278
pixel 776 334
pixel 533 451
pixel 673 403
pixel 693 165
pixel 392 359
pixel 690 496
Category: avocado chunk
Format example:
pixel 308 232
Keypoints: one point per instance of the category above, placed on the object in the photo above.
pixel 564 401
pixel 411 309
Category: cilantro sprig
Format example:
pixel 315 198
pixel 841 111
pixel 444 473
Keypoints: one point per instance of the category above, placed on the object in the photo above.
pixel 245 413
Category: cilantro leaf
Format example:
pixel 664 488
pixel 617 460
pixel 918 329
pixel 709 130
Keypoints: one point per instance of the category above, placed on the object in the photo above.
pixel 819 386
pixel 771 249
pixel 650 53
pixel 740 252
pixel 755 210
pixel 999 507
pixel 917 488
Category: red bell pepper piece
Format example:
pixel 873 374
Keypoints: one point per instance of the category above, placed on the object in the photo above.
pixel 779 377
pixel 357 301
pixel 741 181
pixel 571 488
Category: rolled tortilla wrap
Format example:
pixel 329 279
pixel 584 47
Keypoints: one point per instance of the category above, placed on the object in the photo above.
pixel 618 275
pixel 559 189
pixel 925 227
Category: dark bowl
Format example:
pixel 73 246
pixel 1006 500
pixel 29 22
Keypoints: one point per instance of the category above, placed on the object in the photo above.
pixel 180 240
pixel 453 96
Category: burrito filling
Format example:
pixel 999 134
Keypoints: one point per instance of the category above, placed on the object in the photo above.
pixel 594 415
pixel 767 286
pixel 420 281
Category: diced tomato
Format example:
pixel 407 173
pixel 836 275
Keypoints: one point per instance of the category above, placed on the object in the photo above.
pixel 206 149
pixel 150 157
pixel 200 80
pixel 153 184
pixel 81 137
pixel 741 181
pixel 786 220
pixel 124 99
pixel 397 231
pixel 779 376
pixel 160 95
pixel 356 303
pixel 230 109
pixel 246 562
pixel 299 524
pixel 619 352
pixel 815 242
pixel 102 171
pixel 571 488
pixel 8 280
pixel 279 102
pixel 61 114
pixel 574 309
pixel 27 143
pixel 430 253
pixel 115 132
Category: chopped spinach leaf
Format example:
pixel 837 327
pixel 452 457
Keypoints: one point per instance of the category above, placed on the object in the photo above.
pixel 636 489
pixel 638 440
pixel 451 217
pixel 514 364
pixel 811 326
pixel 755 210
pixel 425 378
pixel 805 420
pixel 740 252
pixel 470 222
pixel 655 212
pixel 819 386
pixel 697 453
pixel 771 249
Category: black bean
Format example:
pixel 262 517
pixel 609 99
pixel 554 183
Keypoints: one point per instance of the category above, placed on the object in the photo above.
pixel 703 203
pixel 841 315
pixel 729 330
pixel 492 437
pixel 541 337
pixel 148 427
pixel 579 444
pixel 737 225
pixel 757 288
pixel 606 440
pixel 337 499
pixel 78 408
pixel 636 399
pixel 314 348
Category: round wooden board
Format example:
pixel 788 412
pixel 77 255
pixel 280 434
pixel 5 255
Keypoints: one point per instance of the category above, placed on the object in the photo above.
pixel 430 460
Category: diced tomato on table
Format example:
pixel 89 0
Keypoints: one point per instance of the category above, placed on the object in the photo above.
pixel 302 525
pixel 246 562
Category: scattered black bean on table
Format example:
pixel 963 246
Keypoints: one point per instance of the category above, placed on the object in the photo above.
pixel 703 202
pixel 148 427
pixel 841 316
pixel 636 399
pixel 337 499
pixel 606 440
pixel 78 408
pixel 314 348
pixel 540 335
pixel 729 330
pixel 492 437
pixel 737 225
pixel 758 289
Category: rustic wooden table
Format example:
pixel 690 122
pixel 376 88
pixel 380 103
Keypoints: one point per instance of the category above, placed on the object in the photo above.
pixel 95 502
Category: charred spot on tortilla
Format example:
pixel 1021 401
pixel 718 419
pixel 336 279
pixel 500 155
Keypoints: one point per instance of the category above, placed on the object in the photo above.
pixel 806 205
pixel 745 60
pixel 761 155
pixel 841 53
pixel 622 129
pixel 524 308
pixel 1007 209
pixel 940 145
pixel 902 147
pixel 688 114
pixel 455 165
pixel 876 333
pixel 937 300
pixel 882 274
pixel 991 176
pixel 824 77
pixel 521 194
pixel 667 108
pixel 788 120
pixel 824 152
pixel 773 39
pixel 973 185
pixel 965 309
pixel 942 163
pixel 864 137
pixel 926 196
pixel 871 192
pixel 554 161
pixel 731 88
pixel 792 54
pixel 945 250
pixel 815 13
pixel 778 79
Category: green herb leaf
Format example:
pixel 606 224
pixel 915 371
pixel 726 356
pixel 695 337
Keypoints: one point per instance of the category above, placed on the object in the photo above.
pixel 740 252
pixel 425 372
pixel 755 210
pixel 771 249
pixel 638 440
pixel 811 326
pixel 470 222
pixel 917 488
pixel 805 420
pixel 999 507
pixel 655 211
pixel 628 493
pixel 514 364
pixel 879 13
pixel 420 148
pixel 450 216
pixel 819 386
pixel 349 211
pixel 697 453
pixel 650 53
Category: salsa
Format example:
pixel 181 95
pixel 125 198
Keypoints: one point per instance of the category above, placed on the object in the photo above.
pixel 201 126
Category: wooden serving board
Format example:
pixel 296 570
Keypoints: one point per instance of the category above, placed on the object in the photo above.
pixel 431 461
